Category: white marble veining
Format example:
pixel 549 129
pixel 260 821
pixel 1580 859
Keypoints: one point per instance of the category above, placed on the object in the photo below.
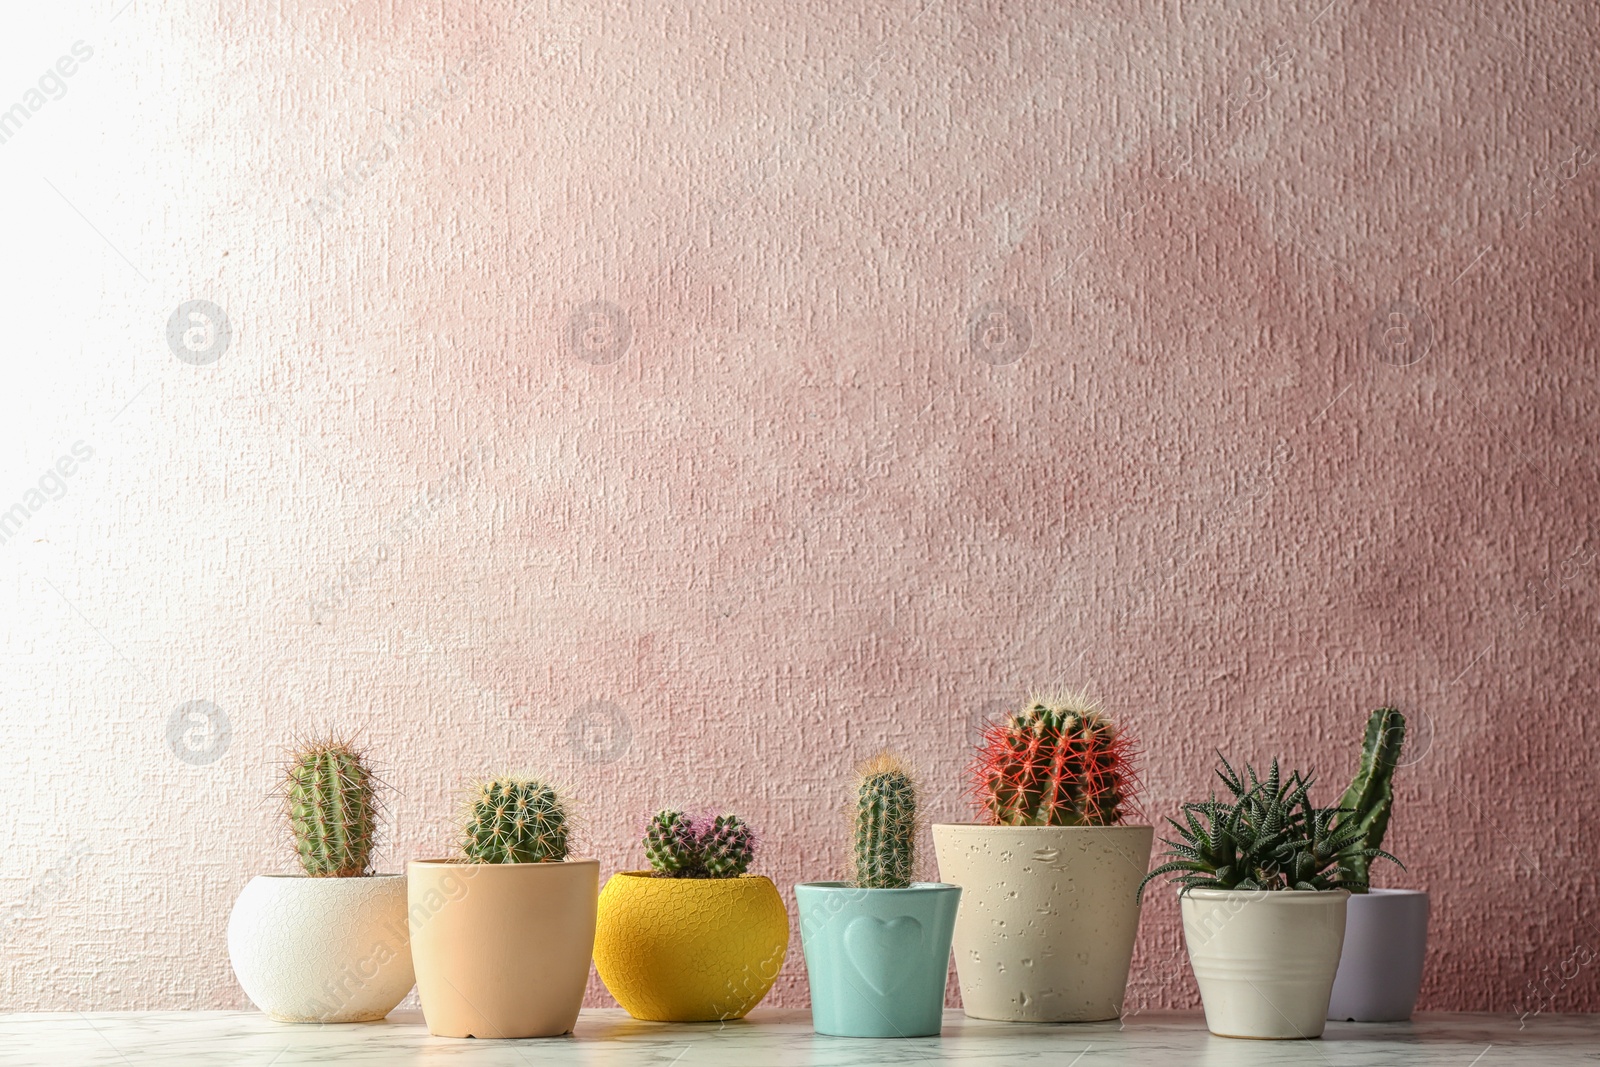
pixel 779 1038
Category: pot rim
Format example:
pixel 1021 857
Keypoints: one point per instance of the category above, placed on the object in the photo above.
pixel 914 887
pixel 1298 896
pixel 992 826
pixel 456 864
pixel 334 878
pixel 652 876
pixel 1385 891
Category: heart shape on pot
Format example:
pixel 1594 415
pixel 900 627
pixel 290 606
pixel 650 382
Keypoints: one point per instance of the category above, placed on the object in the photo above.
pixel 883 952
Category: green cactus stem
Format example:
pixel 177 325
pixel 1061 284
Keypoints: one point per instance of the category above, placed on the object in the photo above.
pixel 886 825
pixel 672 845
pixel 728 847
pixel 1367 803
pixel 515 820
pixel 332 808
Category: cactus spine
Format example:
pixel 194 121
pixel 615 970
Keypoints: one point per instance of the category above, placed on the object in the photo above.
pixel 677 849
pixel 1370 798
pixel 1058 762
pixel 886 824
pixel 515 820
pixel 332 807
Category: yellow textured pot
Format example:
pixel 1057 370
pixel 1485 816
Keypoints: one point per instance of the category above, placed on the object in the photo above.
pixel 689 949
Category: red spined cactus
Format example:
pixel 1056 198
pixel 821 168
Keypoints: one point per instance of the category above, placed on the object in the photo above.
pixel 1058 762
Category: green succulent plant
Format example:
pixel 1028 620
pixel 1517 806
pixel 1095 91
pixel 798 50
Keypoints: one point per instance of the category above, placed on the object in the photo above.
pixel 886 825
pixel 676 848
pixel 1370 798
pixel 1269 836
pixel 515 820
pixel 331 797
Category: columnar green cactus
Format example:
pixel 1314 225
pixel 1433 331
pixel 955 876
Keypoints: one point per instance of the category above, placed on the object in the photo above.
pixel 672 846
pixel 333 811
pixel 1369 799
pixel 886 824
pixel 1058 762
pixel 515 820
pixel 729 846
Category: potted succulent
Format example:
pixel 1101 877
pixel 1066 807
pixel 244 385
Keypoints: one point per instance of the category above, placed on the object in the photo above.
pixel 877 947
pixel 502 938
pixel 1048 907
pixel 1264 886
pixel 695 938
pixel 329 945
pixel 1385 930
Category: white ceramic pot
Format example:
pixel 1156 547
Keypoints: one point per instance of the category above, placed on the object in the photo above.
pixel 1264 960
pixel 1048 917
pixel 1380 969
pixel 323 950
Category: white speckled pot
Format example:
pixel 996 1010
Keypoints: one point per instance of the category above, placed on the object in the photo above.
pixel 322 950
pixel 1048 917
pixel 1264 959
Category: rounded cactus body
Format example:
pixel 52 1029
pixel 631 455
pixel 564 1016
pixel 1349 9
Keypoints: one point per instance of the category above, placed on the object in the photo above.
pixel 515 820
pixel 332 807
pixel 727 847
pixel 1058 762
pixel 886 825
pixel 672 845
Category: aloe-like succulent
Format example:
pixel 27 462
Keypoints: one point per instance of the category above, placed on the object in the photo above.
pixel 331 800
pixel 677 848
pixel 515 820
pixel 1057 762
pixel 1269 836
pixel 886 824
pixel 1370 798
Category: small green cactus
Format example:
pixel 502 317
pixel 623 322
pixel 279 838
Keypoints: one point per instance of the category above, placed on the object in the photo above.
pixel 332 807
pixel 677 849
pixel 1370 798
pixel 672 846
pixel 515 820
pixel 886 824
pixel 729 846
pixel 1058 762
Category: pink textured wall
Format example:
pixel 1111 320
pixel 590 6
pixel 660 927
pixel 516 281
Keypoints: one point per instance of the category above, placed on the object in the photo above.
pixel 686 400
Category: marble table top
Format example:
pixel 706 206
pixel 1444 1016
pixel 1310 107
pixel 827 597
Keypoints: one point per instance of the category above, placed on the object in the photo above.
pixel 778 1038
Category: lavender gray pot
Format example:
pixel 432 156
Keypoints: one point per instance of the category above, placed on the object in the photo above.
pixel 1380 966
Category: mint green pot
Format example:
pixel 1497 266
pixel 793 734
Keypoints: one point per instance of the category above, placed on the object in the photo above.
pixel 877 959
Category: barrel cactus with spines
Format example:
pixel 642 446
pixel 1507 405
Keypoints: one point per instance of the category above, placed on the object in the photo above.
pixel 886 825
pixel 672 846
pixel 1057 762
pixel 515 820
pixel 1367 803
pixel 728 847
pixel 332 806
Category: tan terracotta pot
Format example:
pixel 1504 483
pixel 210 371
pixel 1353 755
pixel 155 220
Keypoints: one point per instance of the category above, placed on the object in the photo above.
pixel 1048 917
pixel 502 950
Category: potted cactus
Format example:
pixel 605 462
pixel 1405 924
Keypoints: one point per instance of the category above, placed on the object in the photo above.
pixel 329 945
pixel 1049 881
pixel 502 937
pixel 877 947
pixel 1386 930
pixel 695 938
pixel 1264 886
